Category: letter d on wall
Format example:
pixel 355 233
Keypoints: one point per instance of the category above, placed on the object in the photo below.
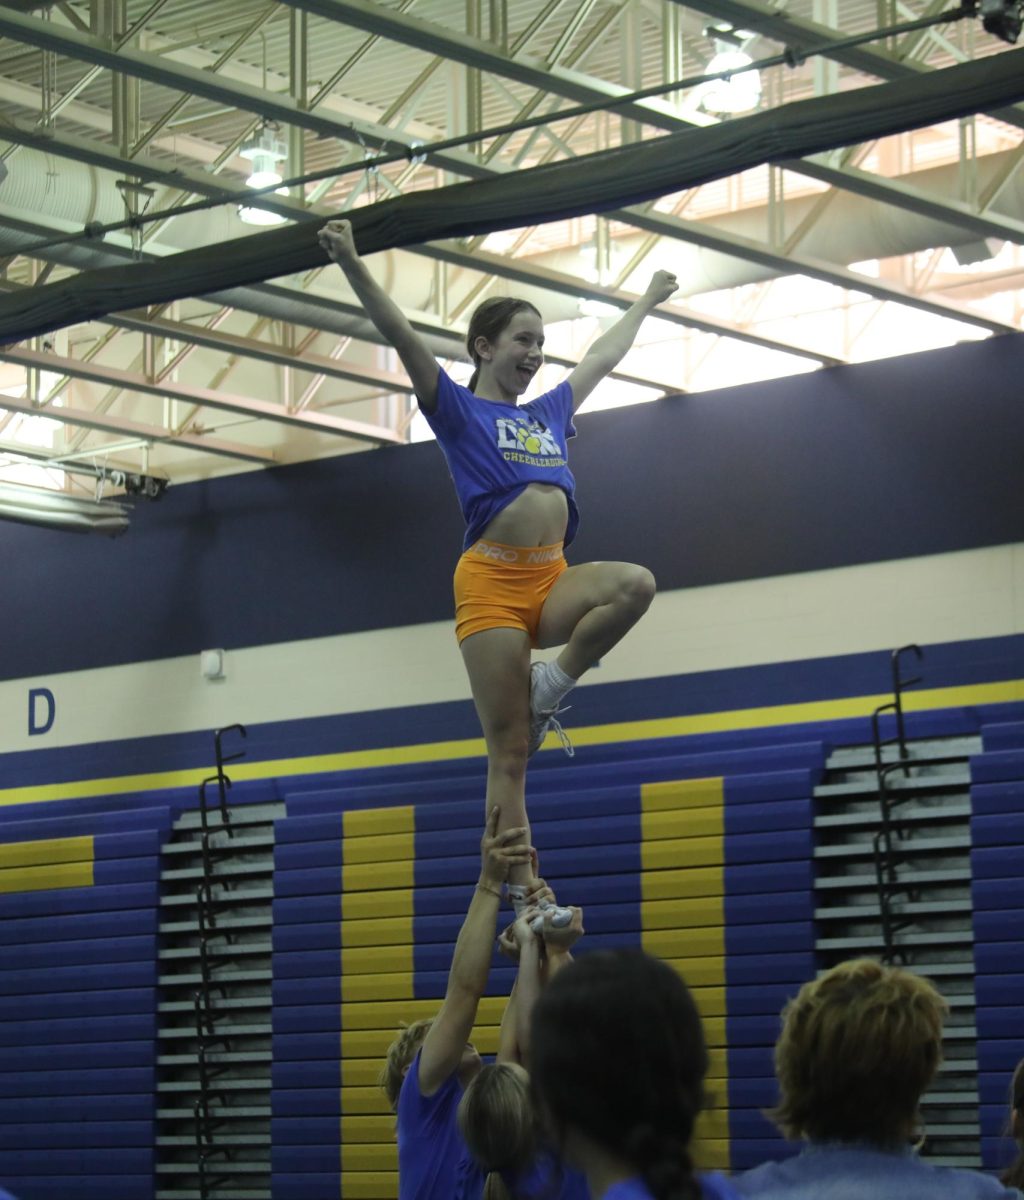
pixel 40 698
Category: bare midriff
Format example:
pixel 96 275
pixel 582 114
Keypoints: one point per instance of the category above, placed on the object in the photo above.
pixel 536 517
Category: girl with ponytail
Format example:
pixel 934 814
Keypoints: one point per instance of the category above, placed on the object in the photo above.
pixel 617 1064
pixel 513 588
pixel 508 1158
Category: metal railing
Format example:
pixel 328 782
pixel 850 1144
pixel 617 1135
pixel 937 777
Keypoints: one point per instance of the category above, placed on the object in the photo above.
pixel 887 843
pixel 205 1013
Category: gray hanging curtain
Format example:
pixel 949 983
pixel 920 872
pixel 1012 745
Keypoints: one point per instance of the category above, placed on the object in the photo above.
pixel 593 183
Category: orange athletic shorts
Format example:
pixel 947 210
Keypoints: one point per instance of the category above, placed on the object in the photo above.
pixel 504 587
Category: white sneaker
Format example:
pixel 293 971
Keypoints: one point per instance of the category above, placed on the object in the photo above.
pixel 516 895
pixel 554 914
pixel 543 719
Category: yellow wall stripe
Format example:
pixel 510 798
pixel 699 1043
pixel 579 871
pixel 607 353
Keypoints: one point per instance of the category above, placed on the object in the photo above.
pixel 682 822
pixel 395 902
pixel 624 731
pixel 363 1074
pixel 369 1129
pixel 687 884
pixel 365 877
pixel 41 879
pixel 50 863
pixel 685 914
pixel 376 986
pixel 674 794
pixel 377 931
pixel 42 853
pixel 682 851
pixel 364 1100
pixel 683 920
pixel 377 851
pixel 386 848
pixel 378 960
pixel 369 1185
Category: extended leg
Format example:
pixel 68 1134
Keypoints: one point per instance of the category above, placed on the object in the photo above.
pixel 498 664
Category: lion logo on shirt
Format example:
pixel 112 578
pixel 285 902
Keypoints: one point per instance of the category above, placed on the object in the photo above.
pixel 526 436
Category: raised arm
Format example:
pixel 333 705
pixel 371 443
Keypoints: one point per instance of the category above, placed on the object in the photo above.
pixel 543 951
pixel 446 1039
pixel 508 944
pixel 528 981
pixel 508 1040
pixel 338 241
pixel 611 347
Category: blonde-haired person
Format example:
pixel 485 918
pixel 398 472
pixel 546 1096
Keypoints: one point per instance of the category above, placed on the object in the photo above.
pixel 430 1063
pixel 507 1158
pixel 859 1047
pixel 1013 1176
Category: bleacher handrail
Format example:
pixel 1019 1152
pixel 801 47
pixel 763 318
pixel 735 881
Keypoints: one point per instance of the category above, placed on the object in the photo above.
pixel 205 1017
pixel 885 854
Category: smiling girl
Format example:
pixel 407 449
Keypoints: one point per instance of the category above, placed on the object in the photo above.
pixel 513 588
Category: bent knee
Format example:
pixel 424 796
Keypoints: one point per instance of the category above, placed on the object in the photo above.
pixel 638 588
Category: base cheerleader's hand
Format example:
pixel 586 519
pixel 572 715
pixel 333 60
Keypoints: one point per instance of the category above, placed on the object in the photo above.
pixel 662 285
pixel 338 241
pixel 566 936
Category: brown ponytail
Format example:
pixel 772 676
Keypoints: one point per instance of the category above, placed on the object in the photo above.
pixel 496 1121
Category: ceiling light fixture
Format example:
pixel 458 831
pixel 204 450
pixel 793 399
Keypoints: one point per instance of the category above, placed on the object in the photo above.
pixel 264 151
pixel 740 89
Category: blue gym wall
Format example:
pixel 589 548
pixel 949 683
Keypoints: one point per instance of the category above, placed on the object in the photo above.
pixel 911 456
pixel 798 528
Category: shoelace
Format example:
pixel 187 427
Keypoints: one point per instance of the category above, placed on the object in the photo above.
pixel 563 737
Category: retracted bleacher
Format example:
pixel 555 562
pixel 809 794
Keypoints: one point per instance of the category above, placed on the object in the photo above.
pixel 732 855
pixel 997 862
pixel 79 898
pixel 700 851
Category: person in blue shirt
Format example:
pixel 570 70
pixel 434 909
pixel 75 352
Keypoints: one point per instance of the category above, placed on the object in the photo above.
pixel 513 588
pixel 859 1047
pixel 506 1159
pixel 430 1063
pixel 617 1064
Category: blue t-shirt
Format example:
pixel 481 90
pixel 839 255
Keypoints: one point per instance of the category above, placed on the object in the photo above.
pixel 547 1179
pixel 842 1171
pixel 429 1145
pixel 496 450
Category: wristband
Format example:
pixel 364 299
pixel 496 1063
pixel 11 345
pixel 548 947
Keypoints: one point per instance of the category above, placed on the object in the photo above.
pixel 482 887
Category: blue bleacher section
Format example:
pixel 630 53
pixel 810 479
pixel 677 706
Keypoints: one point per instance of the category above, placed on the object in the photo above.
pixel 997 838
pixel 79 890
pixel 79 895
pixel 588 823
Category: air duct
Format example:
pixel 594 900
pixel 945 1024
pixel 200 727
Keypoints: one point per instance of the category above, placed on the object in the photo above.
pixel 851 229
pixel 58 510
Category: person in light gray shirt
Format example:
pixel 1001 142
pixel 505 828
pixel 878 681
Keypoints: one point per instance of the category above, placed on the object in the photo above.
pixel 859 1047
